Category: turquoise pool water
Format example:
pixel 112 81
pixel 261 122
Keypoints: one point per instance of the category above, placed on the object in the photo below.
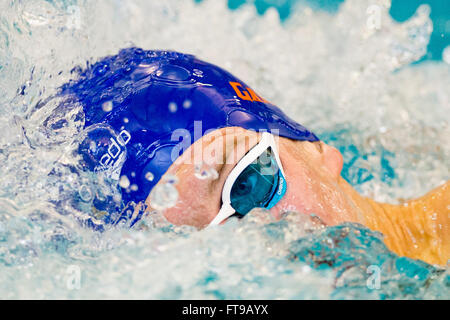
pixel 357 84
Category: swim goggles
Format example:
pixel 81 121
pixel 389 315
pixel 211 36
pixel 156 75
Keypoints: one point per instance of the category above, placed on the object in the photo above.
pixel 257 181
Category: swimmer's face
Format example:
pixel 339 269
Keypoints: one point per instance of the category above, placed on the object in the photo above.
pixel 312 170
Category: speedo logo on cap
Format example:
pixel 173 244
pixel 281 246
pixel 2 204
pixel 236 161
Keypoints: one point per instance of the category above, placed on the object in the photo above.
pixel 246 93
pixel 114 149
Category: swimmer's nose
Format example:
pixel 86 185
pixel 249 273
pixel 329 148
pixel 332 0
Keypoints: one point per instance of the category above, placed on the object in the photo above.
pixel 332 159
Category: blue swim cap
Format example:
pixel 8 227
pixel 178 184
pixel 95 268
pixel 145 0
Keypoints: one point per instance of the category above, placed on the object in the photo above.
pixel 135 100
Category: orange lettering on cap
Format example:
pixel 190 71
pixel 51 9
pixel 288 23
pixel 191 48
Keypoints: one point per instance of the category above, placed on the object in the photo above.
pixel 248 95
pixel 255 97
pixel 243 95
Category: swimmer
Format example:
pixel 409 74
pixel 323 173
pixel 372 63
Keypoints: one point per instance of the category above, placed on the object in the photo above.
pixel 150 116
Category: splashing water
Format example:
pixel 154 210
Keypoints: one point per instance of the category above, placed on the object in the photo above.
pixel 346 76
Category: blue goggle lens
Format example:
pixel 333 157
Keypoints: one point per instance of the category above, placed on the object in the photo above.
pixel 257 185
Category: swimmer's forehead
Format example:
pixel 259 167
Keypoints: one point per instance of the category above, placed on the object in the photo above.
pixel 221 146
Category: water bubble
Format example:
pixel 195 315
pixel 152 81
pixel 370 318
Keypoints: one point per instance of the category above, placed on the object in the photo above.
pixel 198 73
pixel 134 187
pixel 173 107
pixel 164 196
pixel 204 172
pixel 85 193
pixel 124 182
pixel 187 104
pixel 149 176
pixel 107 106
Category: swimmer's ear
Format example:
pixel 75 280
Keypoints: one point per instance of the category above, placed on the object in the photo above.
pixel 332 160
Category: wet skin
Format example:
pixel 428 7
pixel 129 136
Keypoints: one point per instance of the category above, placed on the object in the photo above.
pixel 418 229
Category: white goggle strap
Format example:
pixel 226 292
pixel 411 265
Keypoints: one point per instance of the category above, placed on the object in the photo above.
pixel 225 212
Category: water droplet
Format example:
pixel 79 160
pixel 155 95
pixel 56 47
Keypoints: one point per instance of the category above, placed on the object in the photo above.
pixel 203 172
pixel 164 196
pixel 85 193
pixel 149 176
pixel 187 104
pixel 134 187
pixel 126 120
pixel 198 73
pixel 124 182
pixel 173 107
pixel 107 106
